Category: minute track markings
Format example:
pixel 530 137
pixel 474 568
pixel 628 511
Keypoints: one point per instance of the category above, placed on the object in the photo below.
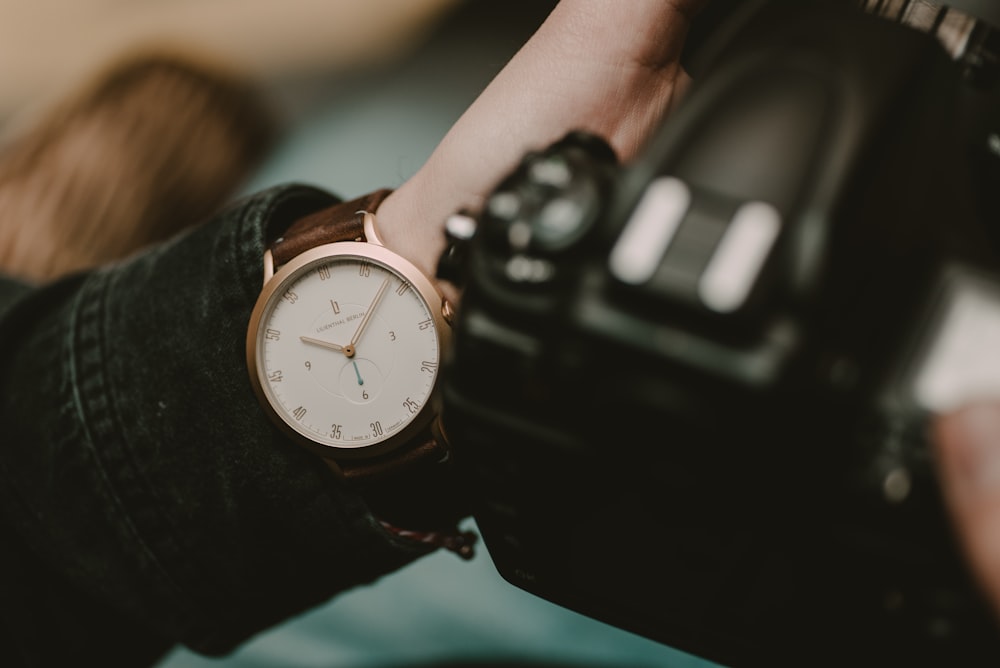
pixel 380 390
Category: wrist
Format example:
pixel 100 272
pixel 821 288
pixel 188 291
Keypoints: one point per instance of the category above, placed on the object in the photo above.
pixel 411 223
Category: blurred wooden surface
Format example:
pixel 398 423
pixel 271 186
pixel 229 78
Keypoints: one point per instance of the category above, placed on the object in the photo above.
pixel 47 46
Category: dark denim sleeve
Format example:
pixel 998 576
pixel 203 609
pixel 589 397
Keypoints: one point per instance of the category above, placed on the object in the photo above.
pixel 145 499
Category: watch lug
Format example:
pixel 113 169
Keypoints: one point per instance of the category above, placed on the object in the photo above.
pixel 438 431
pixel 268 265
pixel 371 236
pixel 335 467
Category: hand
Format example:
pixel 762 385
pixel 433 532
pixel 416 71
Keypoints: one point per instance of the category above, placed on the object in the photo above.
pixel 606 66
pixel 349 350
pixel 967 447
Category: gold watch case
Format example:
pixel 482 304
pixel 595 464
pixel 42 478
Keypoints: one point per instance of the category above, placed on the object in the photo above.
pixel 275 285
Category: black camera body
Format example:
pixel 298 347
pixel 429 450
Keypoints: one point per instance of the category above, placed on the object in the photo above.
pixel 691 393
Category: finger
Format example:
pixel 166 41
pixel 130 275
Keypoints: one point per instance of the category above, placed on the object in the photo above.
pixel 967 446
pixel 599 65
pixel 606 66
pixel 630 53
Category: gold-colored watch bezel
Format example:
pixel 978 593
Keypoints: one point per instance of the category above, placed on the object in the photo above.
pixel 289 272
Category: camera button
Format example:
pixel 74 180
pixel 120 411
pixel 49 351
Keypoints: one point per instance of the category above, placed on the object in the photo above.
pixel 636 255
pixel 739 257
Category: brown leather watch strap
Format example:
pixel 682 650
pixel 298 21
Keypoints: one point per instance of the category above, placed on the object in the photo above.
pixel 423 451
pixel 414 487
pixel 340 222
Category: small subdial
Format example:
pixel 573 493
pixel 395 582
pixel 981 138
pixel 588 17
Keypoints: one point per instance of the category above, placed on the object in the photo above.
pixel 360 380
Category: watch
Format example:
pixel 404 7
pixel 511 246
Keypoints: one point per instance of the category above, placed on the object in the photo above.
pixel 344 349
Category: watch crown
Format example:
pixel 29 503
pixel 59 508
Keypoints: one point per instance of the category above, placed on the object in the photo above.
pixel 447 311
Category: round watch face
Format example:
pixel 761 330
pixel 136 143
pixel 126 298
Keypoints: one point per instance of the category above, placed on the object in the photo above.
pixel 344 348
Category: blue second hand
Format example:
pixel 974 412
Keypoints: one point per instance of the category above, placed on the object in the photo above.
pixel 361 380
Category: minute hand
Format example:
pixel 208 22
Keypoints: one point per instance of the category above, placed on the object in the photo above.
pixel 368 313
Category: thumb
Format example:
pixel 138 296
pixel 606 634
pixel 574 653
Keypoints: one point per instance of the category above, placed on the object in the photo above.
pixel 967 447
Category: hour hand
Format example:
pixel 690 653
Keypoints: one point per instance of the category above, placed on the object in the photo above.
pixel 321 343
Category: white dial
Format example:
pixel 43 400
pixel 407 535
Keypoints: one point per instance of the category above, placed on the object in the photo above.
pixel 346 348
